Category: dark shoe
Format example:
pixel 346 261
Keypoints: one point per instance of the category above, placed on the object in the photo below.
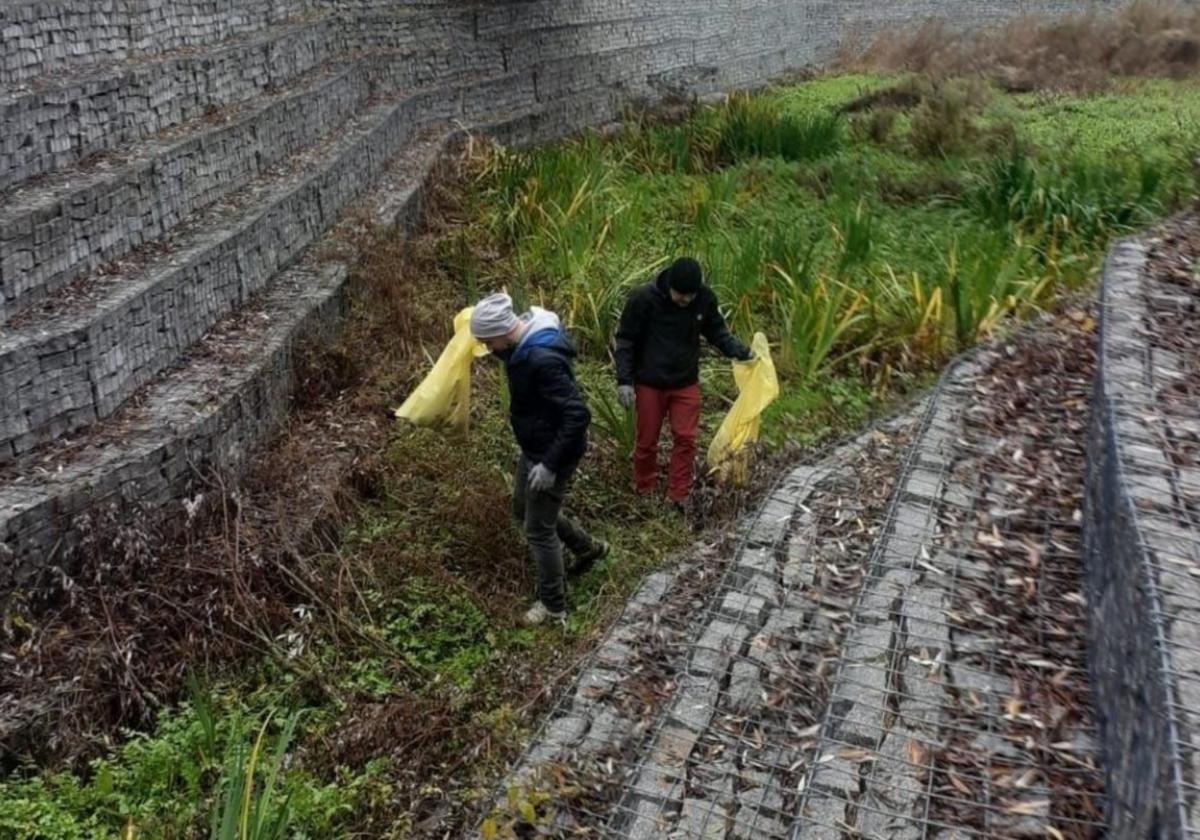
pixel 584 562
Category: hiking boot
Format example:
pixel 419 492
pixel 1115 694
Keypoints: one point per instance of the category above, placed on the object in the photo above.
pixel 584 562
pixel 538 614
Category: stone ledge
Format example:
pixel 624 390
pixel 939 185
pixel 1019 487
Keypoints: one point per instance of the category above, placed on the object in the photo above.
pixel 60 373
pixel 76 222
pixel 38 37
pixel 205 414
pixel 56 126
pixel 867 710
pixel 193 420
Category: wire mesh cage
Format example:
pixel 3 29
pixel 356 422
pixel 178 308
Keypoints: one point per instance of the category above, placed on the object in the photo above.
pixel 905 640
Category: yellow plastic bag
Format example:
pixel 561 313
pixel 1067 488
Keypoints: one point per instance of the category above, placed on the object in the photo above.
pixel 444 395
pixel 757 388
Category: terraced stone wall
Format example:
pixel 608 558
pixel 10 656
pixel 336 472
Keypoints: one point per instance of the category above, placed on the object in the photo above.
pixel 48 35
pixel 164 161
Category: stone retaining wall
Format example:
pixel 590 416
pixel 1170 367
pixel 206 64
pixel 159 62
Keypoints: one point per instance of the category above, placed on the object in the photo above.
pixel 1143 555
pixel 41 36
pixel 75 223
pixel 62 373
pixel 202 418
pixel 46 129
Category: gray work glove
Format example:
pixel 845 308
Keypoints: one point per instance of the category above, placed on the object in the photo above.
pixel 541 478
pixel 626 396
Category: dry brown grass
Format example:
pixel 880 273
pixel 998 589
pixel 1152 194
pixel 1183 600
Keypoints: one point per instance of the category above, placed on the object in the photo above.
pixel 151 596
pixel 1077 53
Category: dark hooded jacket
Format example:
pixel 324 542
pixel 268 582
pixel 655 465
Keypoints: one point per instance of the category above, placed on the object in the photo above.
pixel 658 342
pixel 547 412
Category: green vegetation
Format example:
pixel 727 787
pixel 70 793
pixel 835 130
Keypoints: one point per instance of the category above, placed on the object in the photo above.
pixel 878 241
pixel 871 227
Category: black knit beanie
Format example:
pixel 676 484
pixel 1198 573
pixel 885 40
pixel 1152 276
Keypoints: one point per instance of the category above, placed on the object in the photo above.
pixel 684 276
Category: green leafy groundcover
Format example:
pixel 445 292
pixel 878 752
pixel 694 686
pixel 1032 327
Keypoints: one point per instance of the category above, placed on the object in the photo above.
pixel 868 245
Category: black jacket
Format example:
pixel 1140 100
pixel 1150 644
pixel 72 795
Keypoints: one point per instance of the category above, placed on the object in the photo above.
pixel 547 412
pixel 658 341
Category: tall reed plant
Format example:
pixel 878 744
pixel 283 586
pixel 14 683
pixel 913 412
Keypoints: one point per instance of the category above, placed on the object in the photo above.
pixel 247 808
pixel 756 126
pixel 812 315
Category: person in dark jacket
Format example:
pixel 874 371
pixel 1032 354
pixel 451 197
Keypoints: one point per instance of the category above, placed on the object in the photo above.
pixel 658 368
pixel 550 421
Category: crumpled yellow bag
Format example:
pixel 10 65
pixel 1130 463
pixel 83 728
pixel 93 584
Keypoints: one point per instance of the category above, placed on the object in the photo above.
pixel 757 388
pixel 444 396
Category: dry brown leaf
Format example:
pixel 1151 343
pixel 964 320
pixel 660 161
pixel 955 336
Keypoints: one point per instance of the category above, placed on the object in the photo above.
pixel 1029 808
pixel 917 753
pixel 1034 554
pixel 959 784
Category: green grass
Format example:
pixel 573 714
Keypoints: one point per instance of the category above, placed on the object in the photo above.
pixel 171 782
pixel 868 254
pixel 998 202
pixel 1148 117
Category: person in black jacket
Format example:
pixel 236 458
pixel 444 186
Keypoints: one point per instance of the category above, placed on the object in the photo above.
pixel 550 421
pixel 658 368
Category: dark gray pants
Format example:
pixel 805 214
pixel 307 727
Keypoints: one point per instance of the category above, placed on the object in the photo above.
pixel 547 531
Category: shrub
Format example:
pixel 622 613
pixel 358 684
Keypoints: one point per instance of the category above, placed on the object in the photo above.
pixel 875 126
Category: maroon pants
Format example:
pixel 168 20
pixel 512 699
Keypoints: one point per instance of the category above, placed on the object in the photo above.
pixel 682 405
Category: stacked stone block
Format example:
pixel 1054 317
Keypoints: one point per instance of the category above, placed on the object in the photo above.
pixel 68 119
pixel 68 369
pixel 41 36
pixel 1143 552
pixel 886 704
pixel 228 396
pixel 73 222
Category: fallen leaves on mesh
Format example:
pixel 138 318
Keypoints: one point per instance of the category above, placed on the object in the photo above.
pixel 778 743
pixel 1024 611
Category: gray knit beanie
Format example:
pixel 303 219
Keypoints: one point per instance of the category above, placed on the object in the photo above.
pixel 493 317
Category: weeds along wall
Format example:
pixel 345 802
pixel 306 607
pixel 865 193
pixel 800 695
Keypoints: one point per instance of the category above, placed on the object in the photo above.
pixel 164 164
